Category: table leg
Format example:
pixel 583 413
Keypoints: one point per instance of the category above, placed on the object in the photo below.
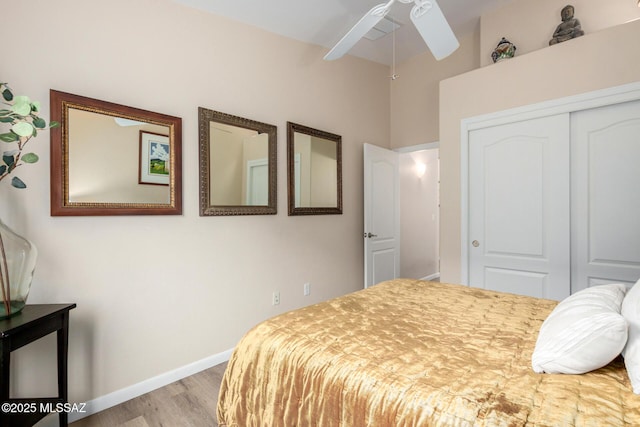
pixel 63 346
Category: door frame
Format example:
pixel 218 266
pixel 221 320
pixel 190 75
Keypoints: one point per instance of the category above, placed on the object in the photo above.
pixel 569 104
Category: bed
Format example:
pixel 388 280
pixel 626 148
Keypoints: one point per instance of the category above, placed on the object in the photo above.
pixel 414 353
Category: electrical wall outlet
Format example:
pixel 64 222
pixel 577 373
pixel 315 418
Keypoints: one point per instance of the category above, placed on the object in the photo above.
pixel 307 289
pixel 276 298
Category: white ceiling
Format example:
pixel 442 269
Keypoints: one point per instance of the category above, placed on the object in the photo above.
pixel 324 22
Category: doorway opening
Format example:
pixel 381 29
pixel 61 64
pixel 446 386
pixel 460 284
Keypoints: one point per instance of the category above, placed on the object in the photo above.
pixel 420 211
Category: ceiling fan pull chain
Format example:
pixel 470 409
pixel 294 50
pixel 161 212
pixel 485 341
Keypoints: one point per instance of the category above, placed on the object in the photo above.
pixel 393 52
pixel 421 7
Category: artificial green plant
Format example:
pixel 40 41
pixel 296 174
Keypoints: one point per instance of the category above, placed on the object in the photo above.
pixel 22 115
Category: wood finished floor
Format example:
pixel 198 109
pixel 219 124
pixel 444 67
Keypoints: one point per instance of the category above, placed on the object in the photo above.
pixel 190 402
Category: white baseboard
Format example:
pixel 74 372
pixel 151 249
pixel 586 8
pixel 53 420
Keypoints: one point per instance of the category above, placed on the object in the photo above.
pixel 431 276
pixel 115 398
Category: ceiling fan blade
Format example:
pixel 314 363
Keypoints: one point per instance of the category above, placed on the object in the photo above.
pixel 432 25
pixel 364 25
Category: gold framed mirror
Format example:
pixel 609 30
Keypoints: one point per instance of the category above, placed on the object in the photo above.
pixel 238 165
pixel 314 176
pixel 111 159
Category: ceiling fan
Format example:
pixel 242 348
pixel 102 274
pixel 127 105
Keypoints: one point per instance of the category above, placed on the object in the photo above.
pixel 425 15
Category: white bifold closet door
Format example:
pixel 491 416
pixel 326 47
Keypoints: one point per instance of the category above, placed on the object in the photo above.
pixel 605 195
pixel 554 202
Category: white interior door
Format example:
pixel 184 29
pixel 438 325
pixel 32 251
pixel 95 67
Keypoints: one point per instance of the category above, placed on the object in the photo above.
pixel 519 207
pixel 381 215
pixel 605 195
pixel 257 182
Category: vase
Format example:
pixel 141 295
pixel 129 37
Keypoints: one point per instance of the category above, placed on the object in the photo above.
pixel 504 50
pixel 17 264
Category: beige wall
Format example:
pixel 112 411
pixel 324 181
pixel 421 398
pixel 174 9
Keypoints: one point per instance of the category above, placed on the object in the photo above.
pixel 324 180
pixel 226 165
pixel 415 93
pixel 145 306
pixel 302 149
pixel 599 60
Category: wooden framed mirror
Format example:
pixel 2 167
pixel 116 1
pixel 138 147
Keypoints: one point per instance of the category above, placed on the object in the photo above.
pixel 314 160
pixel 111 159
pixel 238 165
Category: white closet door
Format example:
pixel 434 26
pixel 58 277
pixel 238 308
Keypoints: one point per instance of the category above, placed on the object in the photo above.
pixel 605 195
pixel 519 207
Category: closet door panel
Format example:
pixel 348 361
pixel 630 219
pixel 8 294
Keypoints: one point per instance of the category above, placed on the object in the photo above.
pixel 519 207
pixel 605 195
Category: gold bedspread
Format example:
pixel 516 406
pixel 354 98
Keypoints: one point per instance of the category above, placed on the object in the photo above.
pixel 413 353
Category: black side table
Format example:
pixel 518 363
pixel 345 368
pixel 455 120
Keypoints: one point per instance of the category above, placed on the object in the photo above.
pixel 33 322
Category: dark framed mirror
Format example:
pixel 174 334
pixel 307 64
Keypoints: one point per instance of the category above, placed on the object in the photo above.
pixel 238 165
pixel 111 159
pixel 314 176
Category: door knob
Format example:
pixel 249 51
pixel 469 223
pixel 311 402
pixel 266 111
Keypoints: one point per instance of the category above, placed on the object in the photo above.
pixel 475 243
pixel 369 235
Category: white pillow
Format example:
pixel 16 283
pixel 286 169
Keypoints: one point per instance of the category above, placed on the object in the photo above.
pixel 631 352
pixel 584 332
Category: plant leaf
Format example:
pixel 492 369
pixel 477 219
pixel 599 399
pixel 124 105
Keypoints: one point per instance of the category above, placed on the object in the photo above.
pixel 9 137
pixel 17 182
pixel 7 95
pixel 8 157
pixel 22 99
pixel 39 122
pixel 22 105
pixel 30 158
pixel 23 129
pixel 53 124
pixel 3 168
pixel 6 119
